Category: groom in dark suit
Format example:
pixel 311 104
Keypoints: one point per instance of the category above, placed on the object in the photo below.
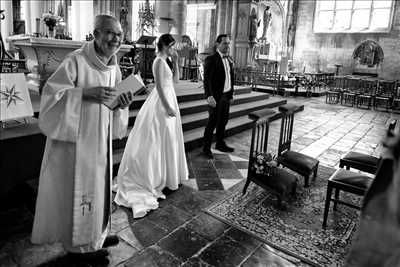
pixel 218 87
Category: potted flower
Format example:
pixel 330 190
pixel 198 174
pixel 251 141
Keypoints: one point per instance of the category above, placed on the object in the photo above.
pixel 51 21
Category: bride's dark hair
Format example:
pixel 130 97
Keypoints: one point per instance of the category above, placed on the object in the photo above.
pixel 166 40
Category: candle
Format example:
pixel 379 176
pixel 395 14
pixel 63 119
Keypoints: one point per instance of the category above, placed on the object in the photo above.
pixel 37 25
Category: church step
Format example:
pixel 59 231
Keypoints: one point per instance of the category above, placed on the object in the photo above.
pixel 190 95
pixel 191 107
pixel 200 119
pixel 197 106
pixel 196 120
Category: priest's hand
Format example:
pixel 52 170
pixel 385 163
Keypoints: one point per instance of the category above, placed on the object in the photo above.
pixel 125 99
pixel 99 94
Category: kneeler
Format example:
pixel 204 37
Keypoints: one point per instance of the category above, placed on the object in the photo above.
pixel 282 183
pixel 361 161
pixel 297 162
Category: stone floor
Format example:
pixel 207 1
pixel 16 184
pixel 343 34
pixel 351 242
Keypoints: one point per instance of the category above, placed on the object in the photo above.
pixel 327 131
pixel 179 233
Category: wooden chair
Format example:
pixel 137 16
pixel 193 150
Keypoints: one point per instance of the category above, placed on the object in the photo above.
pixel 298 162
pixel 348 181
pixel 333 95
pixel 363 162
pixel 282 182
pixel 396 98
pixel 385 94
pixel 350 93
pixel 366 96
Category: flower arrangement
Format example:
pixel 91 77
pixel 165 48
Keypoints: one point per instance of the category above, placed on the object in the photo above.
pixel 50 20
pixel 264 164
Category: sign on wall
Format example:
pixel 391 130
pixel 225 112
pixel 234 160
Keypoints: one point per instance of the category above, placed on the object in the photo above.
pixel 15 101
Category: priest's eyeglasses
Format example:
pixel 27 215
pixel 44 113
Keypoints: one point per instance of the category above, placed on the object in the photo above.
pixel 113 34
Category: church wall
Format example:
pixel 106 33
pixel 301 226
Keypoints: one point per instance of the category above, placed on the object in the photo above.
pixel 321 51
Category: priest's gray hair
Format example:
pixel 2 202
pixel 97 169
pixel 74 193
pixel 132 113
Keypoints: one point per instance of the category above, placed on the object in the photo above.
pixel 101 20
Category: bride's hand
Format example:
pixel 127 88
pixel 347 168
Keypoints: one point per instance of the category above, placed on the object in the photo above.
pixel 171 112
pixel 175 56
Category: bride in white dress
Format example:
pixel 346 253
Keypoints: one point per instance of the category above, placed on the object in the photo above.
pixel 154 156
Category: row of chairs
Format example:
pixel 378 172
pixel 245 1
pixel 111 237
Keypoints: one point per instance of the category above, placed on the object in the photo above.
pixel 313 82
pixel 245 76
pixel 343 180
pixel 353 182
pixel 364 93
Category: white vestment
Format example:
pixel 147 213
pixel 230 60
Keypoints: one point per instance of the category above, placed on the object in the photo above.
pixel 74 198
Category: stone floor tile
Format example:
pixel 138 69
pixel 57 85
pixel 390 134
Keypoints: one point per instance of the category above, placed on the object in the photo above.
pixel 127 236
pixel 207 226
pixel 264 257
pixel 241 164
pixel 147 233
pixel 169 217
pixel 209 172
pixel 189 242
pixel 224 252
pixel 243 238
pixel 153 256
pixel 209 183
pixel 119 219
pixel 191 203
pixel 120 253
pixel 212 195
pixel 229 173
pixel 195 262
pixel 228 183
pixel 27 254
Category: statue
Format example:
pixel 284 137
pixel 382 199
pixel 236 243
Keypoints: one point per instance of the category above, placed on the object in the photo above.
pixel 254 23
pixel 123 18
pixel 290 39
pixel 266 20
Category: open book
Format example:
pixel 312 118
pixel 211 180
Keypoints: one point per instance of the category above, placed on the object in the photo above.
pixel 133 83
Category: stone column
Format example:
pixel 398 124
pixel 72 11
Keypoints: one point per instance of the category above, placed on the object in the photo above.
pixel 167 10
pixel 219 16
pixel 234 27
pixel 82 21
pixel 228 17
pixel 179 14
pixel 291 27
pixel 7 23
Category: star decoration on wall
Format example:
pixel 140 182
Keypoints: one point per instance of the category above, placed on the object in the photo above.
pixel 10 95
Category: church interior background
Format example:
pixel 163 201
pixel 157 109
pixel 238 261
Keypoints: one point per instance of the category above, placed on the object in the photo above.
pixel 323 73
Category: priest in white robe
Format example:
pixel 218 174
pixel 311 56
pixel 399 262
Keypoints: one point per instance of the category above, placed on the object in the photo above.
pixel 73 204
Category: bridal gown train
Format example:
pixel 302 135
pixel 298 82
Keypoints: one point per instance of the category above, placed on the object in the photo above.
pixel 154 156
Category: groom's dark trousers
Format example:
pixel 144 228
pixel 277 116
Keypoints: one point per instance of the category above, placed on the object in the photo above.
pixel 214 80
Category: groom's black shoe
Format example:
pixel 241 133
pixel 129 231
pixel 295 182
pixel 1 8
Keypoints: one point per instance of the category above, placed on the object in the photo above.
pixel 110 241
pixel 207 152
pixel 224 148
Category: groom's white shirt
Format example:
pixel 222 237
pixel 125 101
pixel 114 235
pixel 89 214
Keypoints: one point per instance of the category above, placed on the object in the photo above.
pixel 227 68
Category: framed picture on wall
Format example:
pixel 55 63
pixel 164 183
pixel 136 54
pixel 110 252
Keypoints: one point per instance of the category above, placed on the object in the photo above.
pixel 15 102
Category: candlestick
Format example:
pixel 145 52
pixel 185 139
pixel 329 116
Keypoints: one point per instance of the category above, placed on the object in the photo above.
pixel 37 26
